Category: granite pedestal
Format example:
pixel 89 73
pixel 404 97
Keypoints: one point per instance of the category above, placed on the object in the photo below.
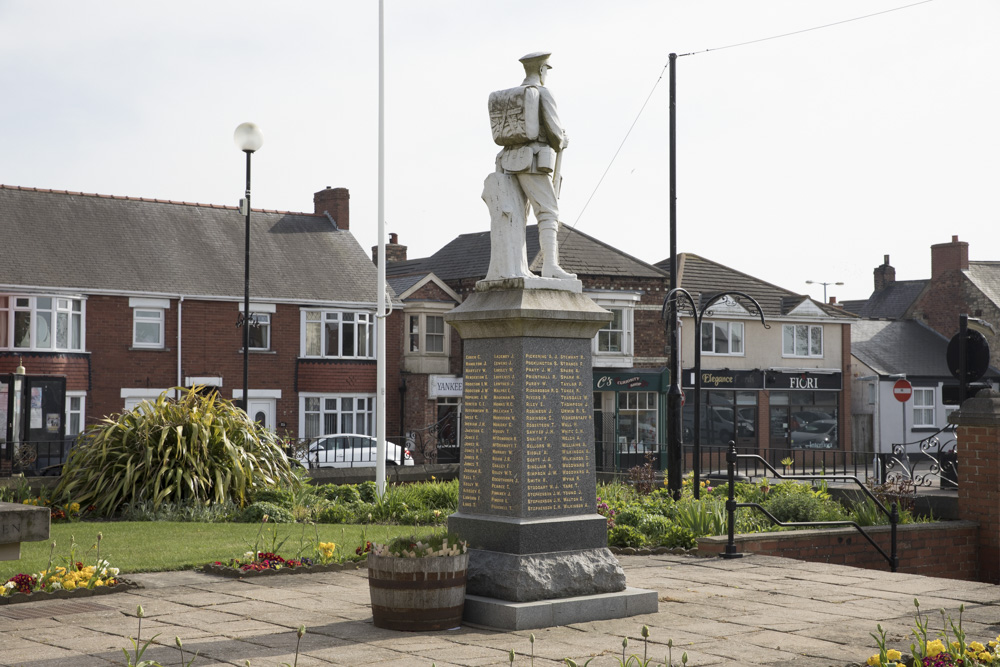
pixel 527 492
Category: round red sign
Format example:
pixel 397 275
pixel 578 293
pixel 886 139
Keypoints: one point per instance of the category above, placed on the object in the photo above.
pixel 902 390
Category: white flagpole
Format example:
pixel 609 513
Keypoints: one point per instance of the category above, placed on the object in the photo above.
pixel 381 313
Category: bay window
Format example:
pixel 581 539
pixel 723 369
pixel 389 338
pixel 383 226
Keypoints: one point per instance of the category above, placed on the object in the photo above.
pixel 54 323
pixel 338 334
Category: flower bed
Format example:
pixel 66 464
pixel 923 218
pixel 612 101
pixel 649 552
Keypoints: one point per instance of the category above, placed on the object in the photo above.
pixel 75 580
pixel 269 563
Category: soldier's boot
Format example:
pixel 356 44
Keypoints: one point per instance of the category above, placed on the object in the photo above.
pixel 550 252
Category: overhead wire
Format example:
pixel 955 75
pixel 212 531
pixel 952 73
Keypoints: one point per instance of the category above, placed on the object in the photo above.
pixel 721 48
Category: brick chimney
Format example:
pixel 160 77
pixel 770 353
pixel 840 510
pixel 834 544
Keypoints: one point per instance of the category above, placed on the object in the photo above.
pixel 394 250
pixel 952 256
pixel 336 202
pixel 885 275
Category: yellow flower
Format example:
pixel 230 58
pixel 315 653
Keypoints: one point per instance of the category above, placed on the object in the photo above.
pixel 985 656
pixel 69 584
pixel 894 655
pixel 935 647
pixel 977 647
pixel 874 661
pixel 955 645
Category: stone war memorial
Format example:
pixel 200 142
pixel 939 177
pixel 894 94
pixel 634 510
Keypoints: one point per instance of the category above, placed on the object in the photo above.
pixel 527 491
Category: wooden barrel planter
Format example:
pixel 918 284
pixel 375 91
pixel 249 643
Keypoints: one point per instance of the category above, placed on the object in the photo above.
pixel 417 594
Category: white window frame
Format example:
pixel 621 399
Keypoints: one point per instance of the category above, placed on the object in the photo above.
pixel 421 334
pixel 134 396
pixel 924 404
pixel 625 303
pixel 70 310
pixel 813 330
pixel 362 412
pixel 728 326
pixel 80 412
pixel 317 319
pixel 149 311
pixel 262 314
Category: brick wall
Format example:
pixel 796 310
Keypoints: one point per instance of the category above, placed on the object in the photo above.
pixel 978 438
pixel 945 549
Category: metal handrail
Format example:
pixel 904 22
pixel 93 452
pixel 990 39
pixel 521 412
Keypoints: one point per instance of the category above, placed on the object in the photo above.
pixel 731 506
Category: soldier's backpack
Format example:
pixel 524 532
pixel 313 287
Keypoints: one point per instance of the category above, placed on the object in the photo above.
pixel 514 115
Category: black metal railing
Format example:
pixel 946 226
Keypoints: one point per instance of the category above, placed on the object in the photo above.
pixel 733 458
pixel 934 458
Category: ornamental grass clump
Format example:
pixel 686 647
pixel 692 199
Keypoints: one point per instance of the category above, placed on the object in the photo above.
pixel 197 448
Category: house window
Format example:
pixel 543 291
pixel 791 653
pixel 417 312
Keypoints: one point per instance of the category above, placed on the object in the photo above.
pixel 338 334
pixel 613 346
pixel 147 328
pixel 802 340
pixel 923 407
pixel 612 335
pixel 260 331
pixel 41 323
pixel 334 413
pixel 722 338
pixel 427 333
pixel 75 403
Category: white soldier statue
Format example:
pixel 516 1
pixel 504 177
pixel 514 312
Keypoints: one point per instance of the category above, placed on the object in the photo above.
pixel 525 122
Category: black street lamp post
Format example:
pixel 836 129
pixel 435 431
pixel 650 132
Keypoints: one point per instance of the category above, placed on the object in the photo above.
pixel 670 303
pixel 248 139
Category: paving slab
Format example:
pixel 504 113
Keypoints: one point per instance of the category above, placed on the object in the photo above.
pixel 758 610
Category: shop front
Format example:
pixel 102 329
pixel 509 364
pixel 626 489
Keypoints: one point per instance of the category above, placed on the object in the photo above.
pixel 804 410
pixel 729 407
pixel 629 416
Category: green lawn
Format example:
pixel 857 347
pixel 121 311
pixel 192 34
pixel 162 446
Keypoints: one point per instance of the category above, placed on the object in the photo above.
pixel 157 546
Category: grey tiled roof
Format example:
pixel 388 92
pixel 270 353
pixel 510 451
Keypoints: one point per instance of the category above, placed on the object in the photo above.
pixel 900 346
pixel 986 276
pixel 468 257
pixel 402 283
pixel 704 278
pixel 65 240
pixel 890 302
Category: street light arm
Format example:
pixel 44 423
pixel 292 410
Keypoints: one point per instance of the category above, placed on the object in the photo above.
pixel 675 296
pixel 757 310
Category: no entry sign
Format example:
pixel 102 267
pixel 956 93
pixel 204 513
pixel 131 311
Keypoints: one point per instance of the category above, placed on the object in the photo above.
pixel 902 390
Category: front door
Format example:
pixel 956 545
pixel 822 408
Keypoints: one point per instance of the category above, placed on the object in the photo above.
pixel 261 410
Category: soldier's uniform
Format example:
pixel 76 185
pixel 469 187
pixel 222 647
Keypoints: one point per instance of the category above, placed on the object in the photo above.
pixel 525 122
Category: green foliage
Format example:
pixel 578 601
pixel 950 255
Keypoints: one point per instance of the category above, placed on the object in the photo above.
pixel 804 507
pixel 185 511
pixel 659 530
pixel 195 448
pixel 344 494
pixel 255 512
pixel 335 514
pixel 280 497
pixel 626 536
pixel 368 491
pixel 706 516
pixel 631 515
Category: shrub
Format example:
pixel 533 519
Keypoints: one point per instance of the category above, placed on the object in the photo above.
pixel 632 515
pixel 279 497
pixel 192 512
pixel 436 495
pixel 254 513
pixel 803 507
pixel 335 514
pixel 196 448
pixel 678 537
pixel 626 536
pixel 346 494
pixel 368 491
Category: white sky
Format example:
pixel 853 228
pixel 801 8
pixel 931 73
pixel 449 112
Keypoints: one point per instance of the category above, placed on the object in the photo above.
pixel 805 157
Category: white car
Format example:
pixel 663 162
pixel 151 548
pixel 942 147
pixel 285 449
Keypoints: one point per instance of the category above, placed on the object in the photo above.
pixel 350 450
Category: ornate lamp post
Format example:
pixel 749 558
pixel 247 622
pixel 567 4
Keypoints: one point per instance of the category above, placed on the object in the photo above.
pixel 670 303
pixel 248 139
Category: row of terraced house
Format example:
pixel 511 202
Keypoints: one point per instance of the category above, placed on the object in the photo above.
pixel 108 301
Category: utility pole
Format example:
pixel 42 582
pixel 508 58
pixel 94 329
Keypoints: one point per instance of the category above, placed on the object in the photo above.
pixel 675 451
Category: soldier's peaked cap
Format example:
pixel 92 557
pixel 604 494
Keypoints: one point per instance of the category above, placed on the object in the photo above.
pixel 536 58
